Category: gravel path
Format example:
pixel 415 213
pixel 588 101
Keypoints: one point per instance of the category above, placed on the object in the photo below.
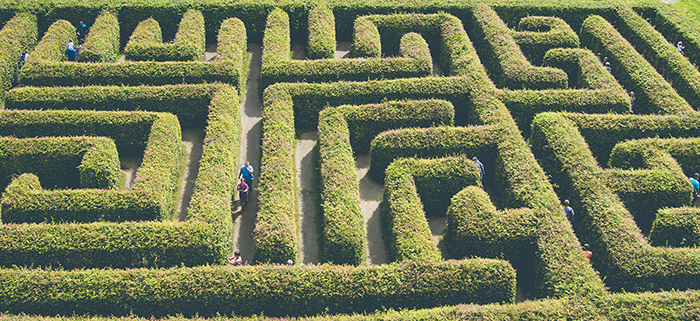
pixel 308 210
pixel 251 120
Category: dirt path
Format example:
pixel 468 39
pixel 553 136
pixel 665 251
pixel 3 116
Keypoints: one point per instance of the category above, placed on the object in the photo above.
pixel 193 141
pixel 251 120
pixel 308 210
pixel 371 194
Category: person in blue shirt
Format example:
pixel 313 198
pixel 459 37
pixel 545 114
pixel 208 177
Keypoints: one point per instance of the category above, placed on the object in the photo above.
pixel 696 185
pixel 70 51
pixel 247 174
pixel 82 30
pixel 680 47
pixel 480 166
pixel 569 211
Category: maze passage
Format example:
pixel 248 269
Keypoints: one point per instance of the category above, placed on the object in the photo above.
pixel 487 116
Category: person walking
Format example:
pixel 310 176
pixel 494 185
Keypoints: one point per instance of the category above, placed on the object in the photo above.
pixel 480 166
pixel 680 47
pixel 587 252
pixel 695 181
pixel 247 174
pixel 235 259
pixel 243 190
pixel 569 211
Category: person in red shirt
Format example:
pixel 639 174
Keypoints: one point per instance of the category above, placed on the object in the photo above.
pixel 587 252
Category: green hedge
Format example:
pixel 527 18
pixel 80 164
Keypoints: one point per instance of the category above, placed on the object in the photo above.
pixel 621 254
pixel 596 90
pixel 653 93
pixel 367 121
pixel 505 61
pixel 603 132
pixel 676 227
pixel 366 41
pixel 277 66
pixel 232 47
pixel 158 132
pixel 409 185
pixel 476 228
pixel 146 43
pixel 342 239
pixel 53 44
pixel 188 102
pixel 661 54
pixel 429 142
pixel 24 201
pixel 559 267
pixel 272 290
pixel 74 162
pixel 218 170
pixel 342 131
pixel 107 245
pixel 321 42
pixel 275 233
pixel 536 35
pixel 50 71
pixel 19 34
pixel 654 179
pixel 102 43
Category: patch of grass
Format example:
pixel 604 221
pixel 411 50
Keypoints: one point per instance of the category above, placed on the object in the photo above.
pixel 691 8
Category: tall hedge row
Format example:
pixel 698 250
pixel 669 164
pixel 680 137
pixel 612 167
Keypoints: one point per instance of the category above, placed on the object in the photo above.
pixel 25 201
pixel 505 61
pixel 102 43
pixel 409 185
pixel 476 227
pixel 623 255
pixel 218 171
pixel 146 43
pixel 321 40
pixel 107 245
pixel 277 66
pixel 345 130
pixel 536 35
pixel 676 227
pixel 74 162
pixel 272 290
pixel 653 93
pixel 18 34
pixel 188 102
pixel 429 142
pixel 156 135
pixel 661 54
pixel 53 44
pixel 49 70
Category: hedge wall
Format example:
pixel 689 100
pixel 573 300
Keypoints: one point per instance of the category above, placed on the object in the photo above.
pixel 146 43
pixel 622 255
pixel 272 290
pixel 159 170
pixel 50 71
pixel 74 162
pixel 18 35
pixel 537 35
pixel 676 227
pixel 107 245
pixel 505 61
pixel 411 183
pixel 24 201
pixel 661 54
pixel 653 93
pixel 277 66
pixel 188 102
pixel 218 170
pixel 475 227
pixel 321 41
pixel 346 130
pixel 102 43
pixel 429 142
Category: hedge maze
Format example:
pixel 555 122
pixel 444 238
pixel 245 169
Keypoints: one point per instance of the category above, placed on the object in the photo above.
pixel 426 87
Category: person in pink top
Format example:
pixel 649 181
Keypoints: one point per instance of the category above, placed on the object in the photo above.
pixel 243 189
pixel 235 259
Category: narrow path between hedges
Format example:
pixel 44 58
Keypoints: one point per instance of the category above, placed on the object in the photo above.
pixel 251 121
